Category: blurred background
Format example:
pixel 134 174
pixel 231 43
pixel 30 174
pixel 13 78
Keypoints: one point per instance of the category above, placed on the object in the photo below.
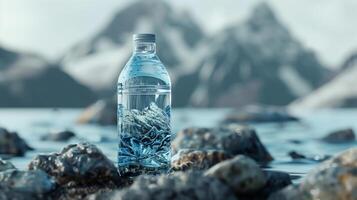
pixel 261 58
pixel 231 53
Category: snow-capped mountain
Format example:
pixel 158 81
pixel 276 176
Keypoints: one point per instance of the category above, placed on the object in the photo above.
pixel 28 80
pixel 339 92
pixel 256 62
pixel 97 61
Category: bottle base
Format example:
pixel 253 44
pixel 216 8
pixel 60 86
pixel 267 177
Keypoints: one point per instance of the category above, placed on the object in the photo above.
pixel 136 170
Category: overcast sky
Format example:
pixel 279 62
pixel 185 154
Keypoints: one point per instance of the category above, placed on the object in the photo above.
pixel 49 27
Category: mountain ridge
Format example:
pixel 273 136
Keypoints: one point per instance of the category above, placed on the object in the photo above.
pixel 260 63
pixel 28 80
pixel 338 92
pixel 108 50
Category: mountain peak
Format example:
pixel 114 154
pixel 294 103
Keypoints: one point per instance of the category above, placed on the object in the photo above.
pixel 263 11
pixel 139 13
pixel 263 15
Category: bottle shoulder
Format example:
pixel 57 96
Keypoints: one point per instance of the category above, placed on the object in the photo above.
pixel 148 67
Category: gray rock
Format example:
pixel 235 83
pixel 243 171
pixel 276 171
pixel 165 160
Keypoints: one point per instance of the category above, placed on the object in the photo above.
pixel 241 173
pixel 12 144
pixel 79 164
pixel 275 181
pixel 60 136
pixel 197 159
pixel 299 157
pixel 7 193
pixel 233 139
pixel 189 185
pixel 334 179
pixel 79 192
pixel 291 192
pixel 340 136
pixel 259 115
pixel 5 165
pixel 37 181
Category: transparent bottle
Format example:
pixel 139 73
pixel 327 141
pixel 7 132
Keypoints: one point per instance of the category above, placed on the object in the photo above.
pixel 144 106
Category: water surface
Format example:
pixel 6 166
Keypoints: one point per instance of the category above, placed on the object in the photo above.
pixel 31 124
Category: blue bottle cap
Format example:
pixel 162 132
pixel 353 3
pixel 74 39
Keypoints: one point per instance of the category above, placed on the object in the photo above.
pixel 144 37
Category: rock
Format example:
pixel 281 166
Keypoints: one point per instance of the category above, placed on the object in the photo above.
pixel 241 173
pixel 12 144
pixel 179 185
pixel 275 181
pixel 295 141
pixel 5 165
pixel 291 193
pixel 315 158
pixel 60 136
pixel 37 181
pixel 197 159
pixel 296 155
pixel 340 136
pixel 7 193
pixel 79 192
pixel 78 164
pixel 259 115
pixel 232 139
pixel 334 179
pixel 103 112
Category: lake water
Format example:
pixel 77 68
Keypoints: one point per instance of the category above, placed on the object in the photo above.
pixel 31 124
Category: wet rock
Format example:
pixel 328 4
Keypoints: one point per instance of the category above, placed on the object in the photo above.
pixel 275 181
pixel 6 193
pixel 233 139
pixel 102 112
pixel 179 185
pixel 241 173
pixel 12 144
pixel 37 181
pixel 197 159
pixel 295 141
pixel 301 157
pixel 60 136
pixel 291 192
pixel 259 115
pixel 296 155
pixel 340 136
pixel 5 165
pixel 79 192
pixel 78 164
pixel 334 179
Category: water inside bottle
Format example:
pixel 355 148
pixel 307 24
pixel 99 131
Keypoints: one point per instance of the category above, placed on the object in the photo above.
pixel 144 126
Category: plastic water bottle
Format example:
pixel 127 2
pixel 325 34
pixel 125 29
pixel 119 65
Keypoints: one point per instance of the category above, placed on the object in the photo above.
pixel 144 106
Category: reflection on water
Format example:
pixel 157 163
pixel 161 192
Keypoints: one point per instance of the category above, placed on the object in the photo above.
pixel 278 138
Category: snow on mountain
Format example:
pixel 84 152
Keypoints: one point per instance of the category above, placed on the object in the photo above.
pixel 339 92
pixel 97 61
pixel 257 62
pixel 28 80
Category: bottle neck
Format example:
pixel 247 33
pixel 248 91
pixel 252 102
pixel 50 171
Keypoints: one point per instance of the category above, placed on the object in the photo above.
pixel 145 47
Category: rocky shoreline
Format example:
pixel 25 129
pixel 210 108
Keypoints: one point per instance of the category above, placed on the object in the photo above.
pixel 208 163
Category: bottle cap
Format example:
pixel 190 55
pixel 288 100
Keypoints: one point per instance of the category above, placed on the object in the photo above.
pixel 144 37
